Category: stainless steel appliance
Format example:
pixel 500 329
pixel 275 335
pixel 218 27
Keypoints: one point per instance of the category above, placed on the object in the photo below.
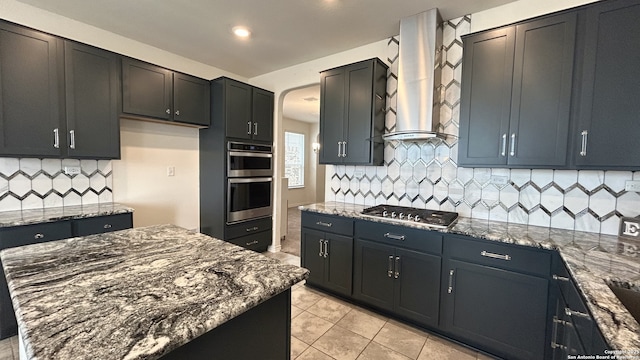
pixel 249 181
pixel 244 159
pixel 432 218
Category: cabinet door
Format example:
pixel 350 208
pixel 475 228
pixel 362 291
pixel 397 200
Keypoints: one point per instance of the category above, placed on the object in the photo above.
pixel 262 114
pixel 312 243
pixel 338 265
pixel 332 97
pixel 238 109
pixel 146 89
pixel 485 104
pixel 358 113
pixel 417 287
pixel 610 92
pixel 541 96
pixel 373 274
pixel 499 311
pixel 191 98
pixel 92 96
pixel 30 92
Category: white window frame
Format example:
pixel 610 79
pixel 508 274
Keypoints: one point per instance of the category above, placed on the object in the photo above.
pixel 287 156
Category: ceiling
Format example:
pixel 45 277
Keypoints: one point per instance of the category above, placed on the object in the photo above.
pixel 303 104
pixel 284 32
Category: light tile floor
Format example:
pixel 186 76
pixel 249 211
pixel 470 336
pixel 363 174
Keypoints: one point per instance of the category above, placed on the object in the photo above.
pixel 326 328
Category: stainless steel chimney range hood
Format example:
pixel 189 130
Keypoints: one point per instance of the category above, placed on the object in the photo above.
pixel 419 72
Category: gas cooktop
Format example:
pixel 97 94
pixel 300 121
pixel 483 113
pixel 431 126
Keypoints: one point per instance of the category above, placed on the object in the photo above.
pixel 433 218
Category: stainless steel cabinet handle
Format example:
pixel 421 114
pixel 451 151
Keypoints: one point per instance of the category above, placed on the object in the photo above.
pixel 560 278
pixel 344 149
pixel 326 249
pixel 321 251
pixel 255 128
pixel 513 145
pixel 324 224
pixel 397 272
pixel 495 256
pixel 106 226
pixel 248 127
pixel 72 134
pixel 251 229
pixel 450 288
pixel 177 112
pixel 38 236
pixel 56 138
pixel 394 236
pixel 583 150
pixel 390 267
pixel 168 111
pixel 339 144
pixel 504 145
pixel 252 242
pixel 574 313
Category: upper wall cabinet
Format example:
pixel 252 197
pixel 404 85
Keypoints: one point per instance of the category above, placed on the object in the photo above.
pixel 608 129
pixel 156 92
pixel 516 94
pixel 247 111
pixel 62 102
pixel 30 92
pixel 352 111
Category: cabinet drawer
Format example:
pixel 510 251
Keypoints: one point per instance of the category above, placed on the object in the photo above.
pixel 505 256
pixel 32 234
pixel 400 236
pixel 102 224
pixel 328 223
pixel 256 242
pixel 247 228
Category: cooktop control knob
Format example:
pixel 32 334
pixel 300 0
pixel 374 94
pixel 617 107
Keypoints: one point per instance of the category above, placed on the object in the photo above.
pixel 384 213
pixel 409 217
pixel 401 216
pixel 393 214
pixel 417 218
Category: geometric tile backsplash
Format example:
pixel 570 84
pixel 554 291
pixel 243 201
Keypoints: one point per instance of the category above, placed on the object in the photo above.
pixel 38 183
pixel 426 175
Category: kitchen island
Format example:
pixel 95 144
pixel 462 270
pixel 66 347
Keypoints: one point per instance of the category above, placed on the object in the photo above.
pixel 148 293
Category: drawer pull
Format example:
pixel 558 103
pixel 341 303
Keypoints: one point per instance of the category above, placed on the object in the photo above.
pixel 251 229
pixel 390 268
pixel 394 236
pixel 38 236
pixel 450 288
pixel 495 256
pixel 560 278
pixel 252 243
pixel 324 224
pixel 574 313
pixel 107 226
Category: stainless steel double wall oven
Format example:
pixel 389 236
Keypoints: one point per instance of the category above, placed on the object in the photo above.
pixel 249 181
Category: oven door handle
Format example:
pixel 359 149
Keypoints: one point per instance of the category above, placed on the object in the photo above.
pixel 249 180
pixel 250 154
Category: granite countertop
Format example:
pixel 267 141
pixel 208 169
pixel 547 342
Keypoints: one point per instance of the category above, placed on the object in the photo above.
pixel 35 216
pixel 136 293
pixel 594 260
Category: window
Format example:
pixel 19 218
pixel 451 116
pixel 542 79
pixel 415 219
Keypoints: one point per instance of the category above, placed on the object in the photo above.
pixel 294 159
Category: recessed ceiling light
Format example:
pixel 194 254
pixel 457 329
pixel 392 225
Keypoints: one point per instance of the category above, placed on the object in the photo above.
pixel 241 31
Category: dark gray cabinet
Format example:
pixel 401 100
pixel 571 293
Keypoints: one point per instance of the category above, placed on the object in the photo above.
pixel 352 111
pixel 609 123
pixel 253 235
pixel 397 269
pixel 494 296
pixel 152 91
pixel 38 233
pixel 516 94
pixel 92 94
pixel 248 111
pixel 31 92
pixel 327 251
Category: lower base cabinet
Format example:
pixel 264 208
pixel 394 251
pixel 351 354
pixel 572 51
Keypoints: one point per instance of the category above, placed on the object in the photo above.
pixel 252 235
pixel 328 258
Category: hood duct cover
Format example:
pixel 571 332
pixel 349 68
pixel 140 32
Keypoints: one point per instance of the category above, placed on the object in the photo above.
pixel 419 72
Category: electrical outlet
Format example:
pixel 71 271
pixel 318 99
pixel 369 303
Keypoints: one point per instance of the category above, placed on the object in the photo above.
pixel 171 171
pixel 72 170
pixel 499 180
pixel 632 185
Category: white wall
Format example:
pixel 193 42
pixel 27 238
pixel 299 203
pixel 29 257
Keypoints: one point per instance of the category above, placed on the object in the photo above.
pixel 519 10
pixel 306 194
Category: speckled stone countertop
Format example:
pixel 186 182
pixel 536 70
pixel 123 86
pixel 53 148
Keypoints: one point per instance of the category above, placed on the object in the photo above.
pixel 136 293
pixel 35 216
pixel 593 260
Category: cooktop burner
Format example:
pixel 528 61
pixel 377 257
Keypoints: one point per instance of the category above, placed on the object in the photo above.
pixel 434 218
